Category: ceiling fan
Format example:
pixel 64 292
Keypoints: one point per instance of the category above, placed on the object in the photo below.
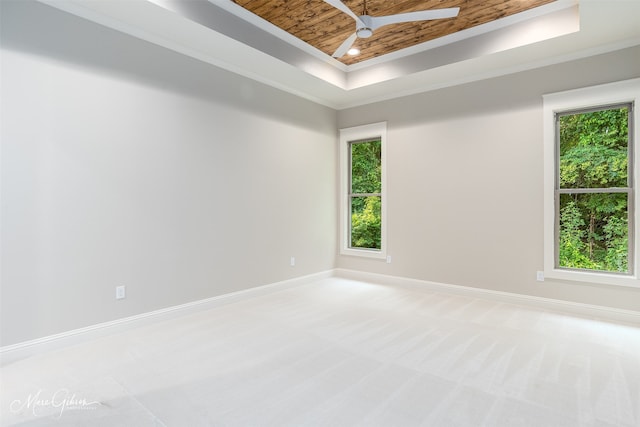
pixel 366 25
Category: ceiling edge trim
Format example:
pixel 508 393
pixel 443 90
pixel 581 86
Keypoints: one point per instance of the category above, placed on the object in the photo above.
pixel 585 53
pixel 78 9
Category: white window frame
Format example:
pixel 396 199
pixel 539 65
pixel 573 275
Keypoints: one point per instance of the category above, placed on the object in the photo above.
pixel 347 135
pixel 627 91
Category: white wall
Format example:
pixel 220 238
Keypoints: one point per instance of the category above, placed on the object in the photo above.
pixel 465 181
pixel 127 164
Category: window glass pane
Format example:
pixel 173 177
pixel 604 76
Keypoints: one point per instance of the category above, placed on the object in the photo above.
pixel 594 149
pixel 366 222
pixel 366 167
pixel 593 232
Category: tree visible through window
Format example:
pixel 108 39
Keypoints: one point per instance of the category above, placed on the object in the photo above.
pixel 365 194
pixel 594 197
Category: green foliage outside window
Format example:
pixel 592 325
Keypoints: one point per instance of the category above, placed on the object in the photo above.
pixel 365 223
pixel 593 226
pixel 366 186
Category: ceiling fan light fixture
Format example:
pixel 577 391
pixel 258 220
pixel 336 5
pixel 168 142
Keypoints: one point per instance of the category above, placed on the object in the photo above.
pixel 364 33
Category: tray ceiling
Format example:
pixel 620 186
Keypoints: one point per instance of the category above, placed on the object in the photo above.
pixel 324 27
pixel 227 35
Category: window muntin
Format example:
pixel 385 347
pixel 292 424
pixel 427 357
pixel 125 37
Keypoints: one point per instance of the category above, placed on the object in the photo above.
pixel 594 190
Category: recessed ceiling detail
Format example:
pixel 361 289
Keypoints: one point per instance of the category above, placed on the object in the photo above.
pixel 324 27
pixel 226 35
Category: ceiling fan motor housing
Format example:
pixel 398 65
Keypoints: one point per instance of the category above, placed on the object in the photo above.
pixel 363 27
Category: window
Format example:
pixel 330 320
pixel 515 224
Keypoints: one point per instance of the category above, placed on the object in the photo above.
pixel 365 194
pixel 363 215
pixel 594 197
pixel 590 184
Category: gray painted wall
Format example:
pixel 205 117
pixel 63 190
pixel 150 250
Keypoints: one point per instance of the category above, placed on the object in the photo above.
pixel 124 163
pixel 465 181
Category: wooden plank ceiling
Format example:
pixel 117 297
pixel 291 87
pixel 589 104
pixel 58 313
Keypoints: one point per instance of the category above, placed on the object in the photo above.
pixel 324 27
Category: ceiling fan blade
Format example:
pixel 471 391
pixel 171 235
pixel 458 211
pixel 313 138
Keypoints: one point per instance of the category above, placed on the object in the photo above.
pixel 345 46
pixel 424 15
pixel 343 7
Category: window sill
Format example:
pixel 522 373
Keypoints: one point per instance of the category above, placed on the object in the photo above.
pixel 596 278
pixel 364 253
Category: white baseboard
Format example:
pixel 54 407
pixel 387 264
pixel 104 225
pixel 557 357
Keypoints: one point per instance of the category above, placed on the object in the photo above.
pixel 22 350
pixel 548 304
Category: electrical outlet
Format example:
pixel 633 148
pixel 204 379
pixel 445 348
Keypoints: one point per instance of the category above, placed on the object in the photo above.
pixel 120 292
pixel 388 259
pixel 293 261
pixel 540 276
